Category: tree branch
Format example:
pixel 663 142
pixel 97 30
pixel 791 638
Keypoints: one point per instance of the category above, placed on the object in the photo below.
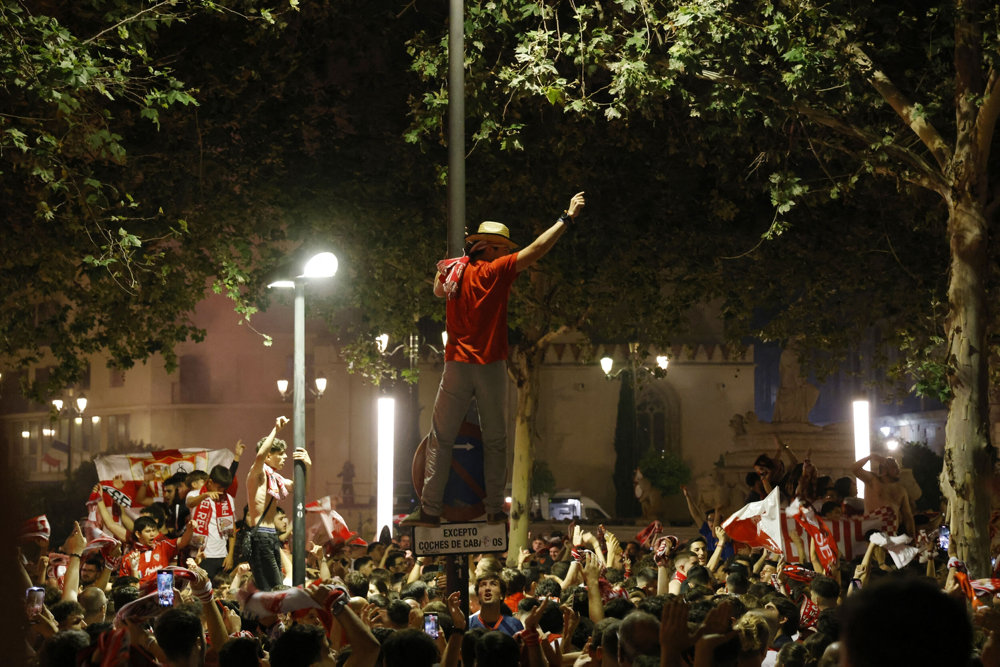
pixel 928 176
pixel 544 340
pixel 925 176
pixel 927 133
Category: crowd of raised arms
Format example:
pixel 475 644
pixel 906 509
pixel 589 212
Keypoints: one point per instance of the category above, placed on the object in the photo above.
pixel 181 584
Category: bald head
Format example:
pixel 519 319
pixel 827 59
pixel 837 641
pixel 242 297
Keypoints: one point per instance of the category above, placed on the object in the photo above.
pixel 94 603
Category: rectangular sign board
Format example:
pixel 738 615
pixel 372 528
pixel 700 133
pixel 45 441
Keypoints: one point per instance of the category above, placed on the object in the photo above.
pixel 459 538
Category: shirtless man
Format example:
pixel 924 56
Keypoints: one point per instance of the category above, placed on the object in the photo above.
pixel 265 487
pixel 884 490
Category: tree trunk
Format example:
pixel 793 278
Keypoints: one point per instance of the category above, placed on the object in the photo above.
pixel 524 367
pixel 968 456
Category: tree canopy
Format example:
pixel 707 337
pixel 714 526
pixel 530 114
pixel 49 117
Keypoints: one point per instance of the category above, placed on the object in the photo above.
pixel 828 99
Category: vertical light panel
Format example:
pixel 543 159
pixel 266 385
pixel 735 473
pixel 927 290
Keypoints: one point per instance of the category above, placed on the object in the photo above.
pixel 862 439
pixel 386 452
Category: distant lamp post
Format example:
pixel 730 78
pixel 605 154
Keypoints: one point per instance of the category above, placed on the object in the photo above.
pixel 862 439
pixel 74 414
pixel 320 265
pixel 660 370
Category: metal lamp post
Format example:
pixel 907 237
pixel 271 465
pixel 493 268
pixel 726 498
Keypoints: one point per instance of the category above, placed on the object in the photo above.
pixel 76 409
pixel 321 265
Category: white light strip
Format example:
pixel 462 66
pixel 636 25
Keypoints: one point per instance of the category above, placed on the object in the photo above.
pixel 862 439
pixel 386 447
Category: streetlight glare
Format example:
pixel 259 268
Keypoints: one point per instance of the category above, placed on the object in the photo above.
pixel 606 365
pixel 57 403
pixel 382 342
pixel 322 265
pixel 320 386
pixel 662 361
pixel 282 284
pixel 282 387
pixel 81 403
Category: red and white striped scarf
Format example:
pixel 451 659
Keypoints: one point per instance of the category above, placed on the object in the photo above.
pixel 276 486
pixel 202 518
pixel 808 613
pixel 452 270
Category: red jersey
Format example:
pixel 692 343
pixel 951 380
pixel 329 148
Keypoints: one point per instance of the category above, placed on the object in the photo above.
pixel 143 562
pixel 477 317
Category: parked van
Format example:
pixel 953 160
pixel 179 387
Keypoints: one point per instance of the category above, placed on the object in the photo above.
pixel 567 505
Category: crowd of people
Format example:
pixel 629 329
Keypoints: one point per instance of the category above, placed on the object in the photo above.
pixel 182 582
pixel 585 596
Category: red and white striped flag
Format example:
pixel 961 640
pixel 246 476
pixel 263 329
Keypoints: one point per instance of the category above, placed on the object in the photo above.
pixel 822 539
pixel 758 524
pixel 333 524
pixel 158 466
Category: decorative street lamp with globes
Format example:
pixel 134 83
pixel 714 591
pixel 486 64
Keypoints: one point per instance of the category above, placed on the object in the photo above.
pixel 75 412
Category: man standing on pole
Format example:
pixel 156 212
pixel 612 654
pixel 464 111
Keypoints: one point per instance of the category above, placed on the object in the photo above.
pixel 477 287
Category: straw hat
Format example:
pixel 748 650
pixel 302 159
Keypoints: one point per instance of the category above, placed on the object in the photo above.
pixel 493 232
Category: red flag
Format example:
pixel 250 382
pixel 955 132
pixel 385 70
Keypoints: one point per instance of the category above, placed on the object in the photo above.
pixel 822 539
pixel 334 524
pixel 758 524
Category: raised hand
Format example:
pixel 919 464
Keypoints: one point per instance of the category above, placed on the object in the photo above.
pixel 532 619
pixel 571 619
pixel 591 567
pixel 454 602
pixel 76 541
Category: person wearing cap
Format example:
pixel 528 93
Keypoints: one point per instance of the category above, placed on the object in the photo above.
pixel 477 286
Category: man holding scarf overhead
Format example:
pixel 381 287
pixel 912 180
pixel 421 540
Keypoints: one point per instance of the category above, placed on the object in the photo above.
pixel 214 519
pixel 477 286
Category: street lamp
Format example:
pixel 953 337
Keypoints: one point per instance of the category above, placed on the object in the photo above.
pixel 317 392
pixel 662 362
pixel 320 265
pixel 75 411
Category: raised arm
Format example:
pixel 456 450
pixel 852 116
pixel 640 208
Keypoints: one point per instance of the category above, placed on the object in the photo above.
pixel 74 547
pixel 116 529
pixel 784 448
pixel 858 470
pixel 256 475
pixel 541 245
pixel 697 511
pixel 592 578
pixel 716 559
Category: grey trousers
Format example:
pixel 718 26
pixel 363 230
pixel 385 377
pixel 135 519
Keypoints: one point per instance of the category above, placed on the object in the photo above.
pixel 460 382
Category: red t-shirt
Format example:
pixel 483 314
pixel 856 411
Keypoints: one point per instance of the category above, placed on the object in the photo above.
pixel 477 317
pixel 143 562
